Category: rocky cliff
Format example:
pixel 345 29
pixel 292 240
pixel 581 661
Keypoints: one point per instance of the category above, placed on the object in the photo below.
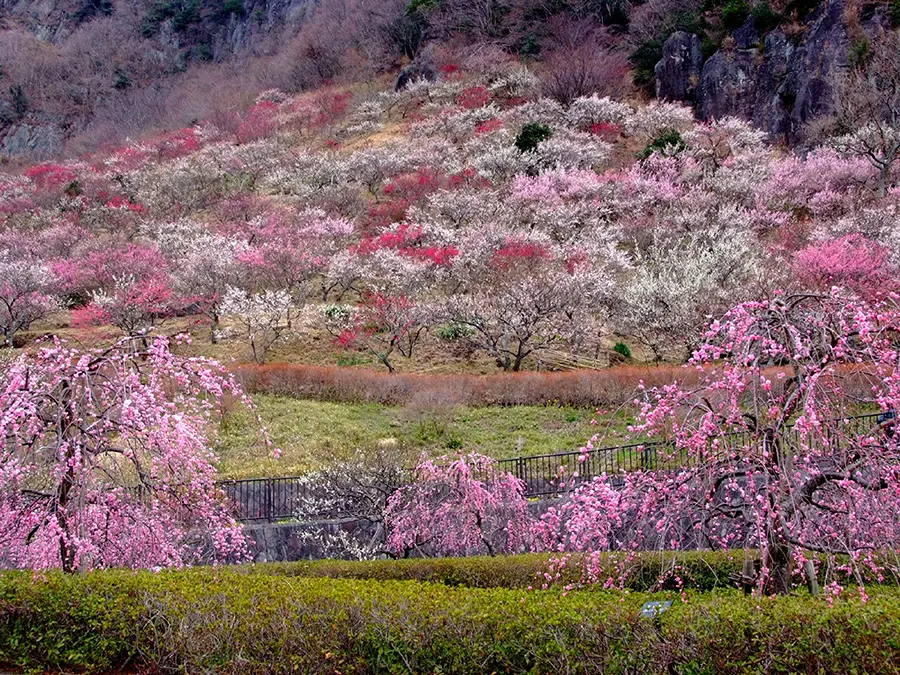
pixel 778 80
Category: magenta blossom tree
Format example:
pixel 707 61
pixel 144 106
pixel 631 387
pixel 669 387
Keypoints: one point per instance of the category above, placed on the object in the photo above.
pixel 464 506
pixel 852 261
pixel 106 460
pixel 767 451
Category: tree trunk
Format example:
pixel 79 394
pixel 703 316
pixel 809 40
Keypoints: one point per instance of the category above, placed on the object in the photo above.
pixel 214 328
pixel 778 560
pixel 67 482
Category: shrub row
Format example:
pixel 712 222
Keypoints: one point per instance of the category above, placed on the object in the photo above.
pixel 642 572
pixel 582 388
pixel 221 621
pixel 698 570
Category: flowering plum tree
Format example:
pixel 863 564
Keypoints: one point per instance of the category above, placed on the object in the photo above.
pixel 264 318
pixel 527 299
pixel 132 305
pixel 677 284
pixel 26 292
pixel 106 460
pixel 852 261
pixel 461 507
pixel 384 324
pixel 761 453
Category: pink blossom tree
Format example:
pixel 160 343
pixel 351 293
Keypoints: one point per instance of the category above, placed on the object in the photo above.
pixel 384 324
pixel 762 452
pixel 106 460
pixel 464 506
pixel 134 306
pixel 852 261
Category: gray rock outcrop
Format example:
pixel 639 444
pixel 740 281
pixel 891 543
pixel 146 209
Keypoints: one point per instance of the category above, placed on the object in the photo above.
pixel 33 140
pixel 678 72
pixel 779 82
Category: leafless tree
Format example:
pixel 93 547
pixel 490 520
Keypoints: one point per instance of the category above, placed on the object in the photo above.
pixel 867 107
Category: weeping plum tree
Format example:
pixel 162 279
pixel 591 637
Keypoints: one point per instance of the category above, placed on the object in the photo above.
pixel 466 506
pixel 775 461
pixel 105 460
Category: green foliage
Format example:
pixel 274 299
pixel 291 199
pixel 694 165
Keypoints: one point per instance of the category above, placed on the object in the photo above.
pixel 452 331
pixel 420 6
pixel 350 359
pixel 183 13
pixel 92 8
pixel 249 620
pixel 235 7
pixel 19 100
pixel 860 53
pixel 531 47
pixel 894 13
pixel 669 141
pixel 644 60
pixel 74 189
pixel 735 13
pixel 454 444
pixel 122 80
pixel 700 570
pixel 532 135
pixel 647 55
pixel 764 17
pixel 310 433
pixel 203 52
pixel 623 349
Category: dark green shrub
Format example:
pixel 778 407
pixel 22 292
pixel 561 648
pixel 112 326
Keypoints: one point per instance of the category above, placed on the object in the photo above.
pixel 670 141
pixel 894 13
pixel 860 52
pixel 454 444
pixel 734 13
pixel 19 100
pixel 647 55
pixel 122 80
pixel 644 60
pixel 183 13
pixel 530 48
pixel 764 17
pixel 420 6
pixel 623 349
pixel 203 52
pixel 532 135
pixel 452 331
pixel 233 7
pixel 700 570
pixel 92 8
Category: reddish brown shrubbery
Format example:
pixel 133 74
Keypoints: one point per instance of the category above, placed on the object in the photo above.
pixel 581 388
pixel 612 386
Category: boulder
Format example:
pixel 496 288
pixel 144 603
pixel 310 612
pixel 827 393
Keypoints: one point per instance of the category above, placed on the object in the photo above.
pixel 417 70
pixel 678 72
pixel 728 84
pixel 32 140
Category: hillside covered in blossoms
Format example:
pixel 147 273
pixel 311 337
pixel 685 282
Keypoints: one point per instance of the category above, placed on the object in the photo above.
pixel 470 215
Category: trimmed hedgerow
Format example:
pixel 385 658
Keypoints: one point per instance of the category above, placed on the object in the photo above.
pixel 698 570
pixel 225 621
pixel 643 572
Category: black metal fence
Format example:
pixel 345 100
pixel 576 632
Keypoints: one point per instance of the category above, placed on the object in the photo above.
pixel 272 499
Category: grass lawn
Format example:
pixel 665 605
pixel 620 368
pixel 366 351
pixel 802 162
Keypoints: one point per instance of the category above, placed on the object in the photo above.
pixel 311 433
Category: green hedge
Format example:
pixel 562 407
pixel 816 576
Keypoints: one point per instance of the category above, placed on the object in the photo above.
pixel 228 621
pixel 699 570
